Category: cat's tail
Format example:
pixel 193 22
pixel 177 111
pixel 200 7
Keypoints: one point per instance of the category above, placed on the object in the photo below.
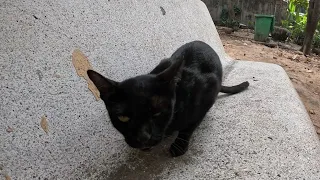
pixel 234 89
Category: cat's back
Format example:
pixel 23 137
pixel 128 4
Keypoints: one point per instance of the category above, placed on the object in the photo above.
pixel 200 59
pixel 199 84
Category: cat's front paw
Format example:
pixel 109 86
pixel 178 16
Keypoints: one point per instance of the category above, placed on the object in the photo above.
pixel 178 148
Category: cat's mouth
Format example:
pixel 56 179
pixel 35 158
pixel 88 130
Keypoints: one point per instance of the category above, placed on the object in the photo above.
pixel 146 146
pixel 146 149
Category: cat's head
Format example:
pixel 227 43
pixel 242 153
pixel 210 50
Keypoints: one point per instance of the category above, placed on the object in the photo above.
pixel 141 107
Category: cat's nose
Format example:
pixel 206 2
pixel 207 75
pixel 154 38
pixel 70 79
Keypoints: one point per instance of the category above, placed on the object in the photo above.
pixel 143 137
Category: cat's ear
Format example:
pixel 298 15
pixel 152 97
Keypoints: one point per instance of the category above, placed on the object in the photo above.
pixel 104 85
pixel 173 71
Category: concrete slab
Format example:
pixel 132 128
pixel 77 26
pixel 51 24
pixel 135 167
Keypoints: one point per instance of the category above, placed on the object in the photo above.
pixel 261 133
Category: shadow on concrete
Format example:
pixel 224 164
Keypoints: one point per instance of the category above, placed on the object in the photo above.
pixel 141 165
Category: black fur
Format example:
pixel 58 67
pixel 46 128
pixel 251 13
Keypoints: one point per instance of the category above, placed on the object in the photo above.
pixel 174 96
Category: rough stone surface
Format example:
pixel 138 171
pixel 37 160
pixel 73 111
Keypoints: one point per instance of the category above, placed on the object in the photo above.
pixel 261 133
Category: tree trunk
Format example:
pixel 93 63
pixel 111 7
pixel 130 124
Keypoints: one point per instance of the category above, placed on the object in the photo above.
pixel 231 10
pixel 312 21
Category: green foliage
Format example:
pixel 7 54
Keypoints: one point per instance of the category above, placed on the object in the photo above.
pixel 296 21
pixel 298 34
pixel 232 24
pixel 237 11
pixel 316 39
pixel 298 5
pixel 224 16
pixel 226 21
pixel 285 23
pixel 251 25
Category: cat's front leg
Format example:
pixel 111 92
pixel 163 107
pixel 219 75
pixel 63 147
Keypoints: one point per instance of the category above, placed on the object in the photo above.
pixel 179 147
pixel 181 143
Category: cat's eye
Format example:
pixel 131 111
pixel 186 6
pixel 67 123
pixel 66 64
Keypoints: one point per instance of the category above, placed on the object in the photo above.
pixel 123 118
pixel 157 114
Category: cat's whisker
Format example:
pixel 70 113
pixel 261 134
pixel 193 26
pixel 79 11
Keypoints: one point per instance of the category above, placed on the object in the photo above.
pixel 182 133
pixel 182 139
pixel 177 147
pixel 163 146
pixel 168 137
pixel 171 137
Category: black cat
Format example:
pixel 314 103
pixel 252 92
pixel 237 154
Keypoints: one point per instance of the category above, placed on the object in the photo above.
pixel 175 96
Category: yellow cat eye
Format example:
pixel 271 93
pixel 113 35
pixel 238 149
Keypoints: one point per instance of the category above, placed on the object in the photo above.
pixel 123 118
pixel 158 114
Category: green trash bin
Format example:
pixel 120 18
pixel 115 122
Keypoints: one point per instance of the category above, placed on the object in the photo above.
pixel 263 26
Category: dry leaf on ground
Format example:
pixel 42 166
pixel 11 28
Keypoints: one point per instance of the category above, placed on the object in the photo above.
pixel 82 65
pixel 9 129
pixel 7 177
pixel 294 57
pixel 312 112
pixel 44 124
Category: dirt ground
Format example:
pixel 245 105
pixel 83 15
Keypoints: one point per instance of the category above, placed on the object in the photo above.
pixel 303 71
